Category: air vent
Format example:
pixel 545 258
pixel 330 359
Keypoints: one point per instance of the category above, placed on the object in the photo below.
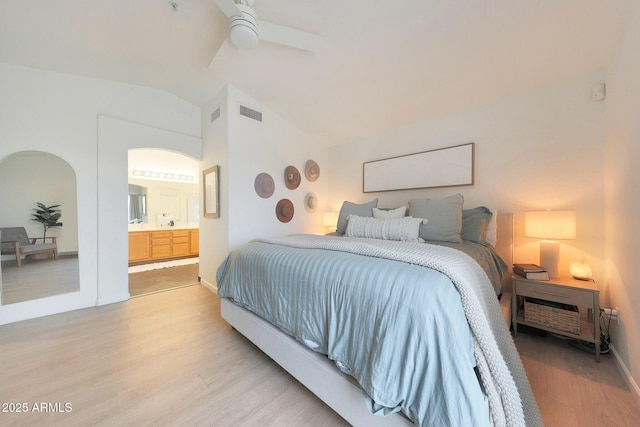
pixel 215 114
pixel 252 114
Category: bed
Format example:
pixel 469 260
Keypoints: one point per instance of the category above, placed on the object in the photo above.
pixel 386 332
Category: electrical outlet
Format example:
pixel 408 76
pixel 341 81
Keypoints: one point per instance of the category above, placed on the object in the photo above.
pixel 612 314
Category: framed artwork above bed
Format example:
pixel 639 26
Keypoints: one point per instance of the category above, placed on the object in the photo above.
pixel 442 167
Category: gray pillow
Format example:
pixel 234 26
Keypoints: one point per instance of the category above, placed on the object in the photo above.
pixel 475 223
pixel 445 218
pixel 349 208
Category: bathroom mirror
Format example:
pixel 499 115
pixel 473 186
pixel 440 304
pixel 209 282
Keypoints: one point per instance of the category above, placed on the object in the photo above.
pixel 137 204
pixel 163 187
pixel 31 177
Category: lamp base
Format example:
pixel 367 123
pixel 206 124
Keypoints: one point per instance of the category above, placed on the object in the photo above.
pixel 549 257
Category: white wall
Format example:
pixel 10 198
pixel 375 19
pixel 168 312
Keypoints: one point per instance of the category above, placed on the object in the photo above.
pixel 541 149
pixel 115 138
pixel 622 167
pixel 214 232
pixel 244 148
pixel 269 146
pixel 58 114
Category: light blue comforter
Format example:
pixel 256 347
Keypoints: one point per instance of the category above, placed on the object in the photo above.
pixel 399 329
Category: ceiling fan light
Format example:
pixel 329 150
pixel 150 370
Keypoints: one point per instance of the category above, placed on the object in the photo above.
pixel 243 28
pixel 244 37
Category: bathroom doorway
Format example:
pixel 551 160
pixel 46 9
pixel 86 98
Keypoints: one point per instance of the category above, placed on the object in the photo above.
pixel 164 214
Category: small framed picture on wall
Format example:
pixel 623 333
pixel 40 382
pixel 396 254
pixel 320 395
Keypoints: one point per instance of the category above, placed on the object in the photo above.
pixel 211 191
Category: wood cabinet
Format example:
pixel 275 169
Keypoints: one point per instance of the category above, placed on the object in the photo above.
pixel 194 242
pixel 157 245
pixel 160 244
pixel 181 244
pixel 139 248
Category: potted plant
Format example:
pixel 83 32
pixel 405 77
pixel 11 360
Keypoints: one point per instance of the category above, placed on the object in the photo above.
pixel 48 216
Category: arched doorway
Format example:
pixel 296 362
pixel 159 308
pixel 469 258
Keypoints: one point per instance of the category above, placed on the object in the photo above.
pixel 164 211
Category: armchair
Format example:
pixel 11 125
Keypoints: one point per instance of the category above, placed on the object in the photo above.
pixel 14 241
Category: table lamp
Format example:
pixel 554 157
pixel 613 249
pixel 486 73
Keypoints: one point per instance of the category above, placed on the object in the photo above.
pixel 330 220
pixel 550 226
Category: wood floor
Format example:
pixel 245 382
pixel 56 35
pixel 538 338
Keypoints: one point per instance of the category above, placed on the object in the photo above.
pixel 168 359
pixel 571 389
pixel 25 283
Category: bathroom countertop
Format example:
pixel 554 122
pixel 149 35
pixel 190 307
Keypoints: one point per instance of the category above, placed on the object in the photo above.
pixel 155 227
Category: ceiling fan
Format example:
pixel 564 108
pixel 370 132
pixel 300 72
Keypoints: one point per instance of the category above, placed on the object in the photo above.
pixel 245 29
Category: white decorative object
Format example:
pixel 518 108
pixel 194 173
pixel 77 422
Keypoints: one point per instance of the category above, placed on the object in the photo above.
pixel 580 270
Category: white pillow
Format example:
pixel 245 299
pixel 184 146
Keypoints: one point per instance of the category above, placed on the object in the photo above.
pixel 492 229
pixel 400 212
pixel 405 229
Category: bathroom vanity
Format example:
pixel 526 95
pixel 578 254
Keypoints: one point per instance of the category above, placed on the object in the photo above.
pixel 162 244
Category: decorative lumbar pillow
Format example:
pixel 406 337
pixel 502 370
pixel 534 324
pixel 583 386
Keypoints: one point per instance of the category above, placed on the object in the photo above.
pixel 445 218
pixel 400 212
pixel 349 208
pixel 475 223
pixel 405 229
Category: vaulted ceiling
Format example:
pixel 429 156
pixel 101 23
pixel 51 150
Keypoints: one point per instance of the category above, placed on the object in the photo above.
pixel 384 64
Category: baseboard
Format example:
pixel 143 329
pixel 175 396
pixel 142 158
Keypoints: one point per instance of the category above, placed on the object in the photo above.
pixel 626 375
pixel 112 298
pixel 68 254
pixel 213 288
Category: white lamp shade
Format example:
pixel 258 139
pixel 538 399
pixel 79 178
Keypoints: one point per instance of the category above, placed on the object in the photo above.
pixel 550 225
pixel 330 219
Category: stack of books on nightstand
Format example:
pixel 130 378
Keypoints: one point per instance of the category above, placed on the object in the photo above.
pixel 531 271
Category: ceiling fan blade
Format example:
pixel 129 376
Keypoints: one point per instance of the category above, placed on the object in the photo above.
pixel 228 7
pixel 291 37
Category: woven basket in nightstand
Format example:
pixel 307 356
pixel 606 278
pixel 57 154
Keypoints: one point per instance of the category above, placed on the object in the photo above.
pixel 561 317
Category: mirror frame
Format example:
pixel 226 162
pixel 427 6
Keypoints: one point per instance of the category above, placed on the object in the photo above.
pixel 211 192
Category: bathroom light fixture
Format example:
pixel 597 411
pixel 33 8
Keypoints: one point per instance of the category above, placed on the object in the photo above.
pixel 550 226
pixel 162 176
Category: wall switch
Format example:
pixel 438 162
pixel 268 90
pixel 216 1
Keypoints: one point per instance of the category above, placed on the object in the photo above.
pixel 598 92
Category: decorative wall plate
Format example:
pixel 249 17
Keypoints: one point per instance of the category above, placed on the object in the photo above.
pixel 291 177
pixel 264 185
pixel 310 202
pixel 311 170
pixel 284 210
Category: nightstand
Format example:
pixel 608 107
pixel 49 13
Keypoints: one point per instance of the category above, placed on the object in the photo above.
pixel 571 292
